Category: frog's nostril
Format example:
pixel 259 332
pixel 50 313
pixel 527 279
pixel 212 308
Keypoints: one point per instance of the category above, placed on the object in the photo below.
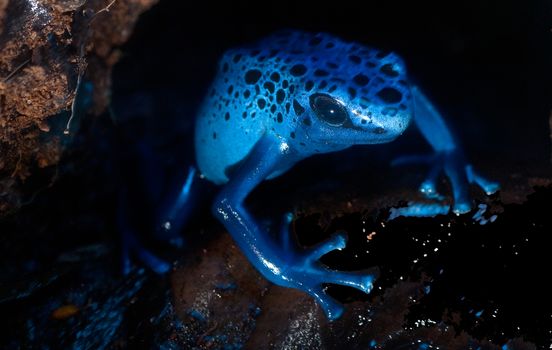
pixel 390 111
pixel 389 70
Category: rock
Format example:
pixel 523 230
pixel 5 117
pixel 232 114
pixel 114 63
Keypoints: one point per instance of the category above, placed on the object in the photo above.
pixel 45 46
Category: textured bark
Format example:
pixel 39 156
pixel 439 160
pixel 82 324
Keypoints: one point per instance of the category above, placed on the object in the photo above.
pixel 45 45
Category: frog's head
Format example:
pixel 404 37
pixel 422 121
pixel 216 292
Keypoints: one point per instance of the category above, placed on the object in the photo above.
pixel 334 119
pixel 347 93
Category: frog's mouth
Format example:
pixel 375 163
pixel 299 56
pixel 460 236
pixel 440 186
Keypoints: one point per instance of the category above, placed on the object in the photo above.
pixel 358 130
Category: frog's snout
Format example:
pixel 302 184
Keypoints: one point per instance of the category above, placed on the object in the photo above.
pixel 382 126
pixel 390 127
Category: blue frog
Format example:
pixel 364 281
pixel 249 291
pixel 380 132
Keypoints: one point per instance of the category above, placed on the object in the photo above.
pixel 293 95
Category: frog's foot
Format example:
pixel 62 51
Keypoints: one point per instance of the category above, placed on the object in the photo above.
pixel 460 174
pixel 280 261
pixel 429 186
pixel 307 273
pixel 132 247
pixel 331 307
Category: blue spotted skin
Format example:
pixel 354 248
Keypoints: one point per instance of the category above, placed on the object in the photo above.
pixel 265 89
pixel 262 115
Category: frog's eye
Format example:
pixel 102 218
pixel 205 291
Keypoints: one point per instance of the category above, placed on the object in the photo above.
pixel 328 109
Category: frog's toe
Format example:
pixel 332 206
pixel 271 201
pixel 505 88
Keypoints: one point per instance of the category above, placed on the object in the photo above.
pixel 460 188
pixel 489 187
pixel 332 308
pixel 337 242
pixel 362 280
pixel 461 208
pixel 429 189
pixel 314 274
pixel 286 236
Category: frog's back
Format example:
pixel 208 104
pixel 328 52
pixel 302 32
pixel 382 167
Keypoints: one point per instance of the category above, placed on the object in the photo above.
pixel 242 103
pixel 257 90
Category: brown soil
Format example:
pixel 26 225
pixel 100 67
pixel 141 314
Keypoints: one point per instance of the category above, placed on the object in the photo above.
pixel 45 45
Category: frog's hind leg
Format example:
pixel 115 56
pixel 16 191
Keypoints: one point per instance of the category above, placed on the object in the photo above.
pixel 175 210
pixel 131 246
pixel 168 222
pixel 454 168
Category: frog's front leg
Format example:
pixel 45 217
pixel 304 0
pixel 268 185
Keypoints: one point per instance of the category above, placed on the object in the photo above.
pixel 280 261
pixel 447 157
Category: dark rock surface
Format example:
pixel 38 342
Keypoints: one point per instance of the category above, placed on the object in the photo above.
pixel 446 282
